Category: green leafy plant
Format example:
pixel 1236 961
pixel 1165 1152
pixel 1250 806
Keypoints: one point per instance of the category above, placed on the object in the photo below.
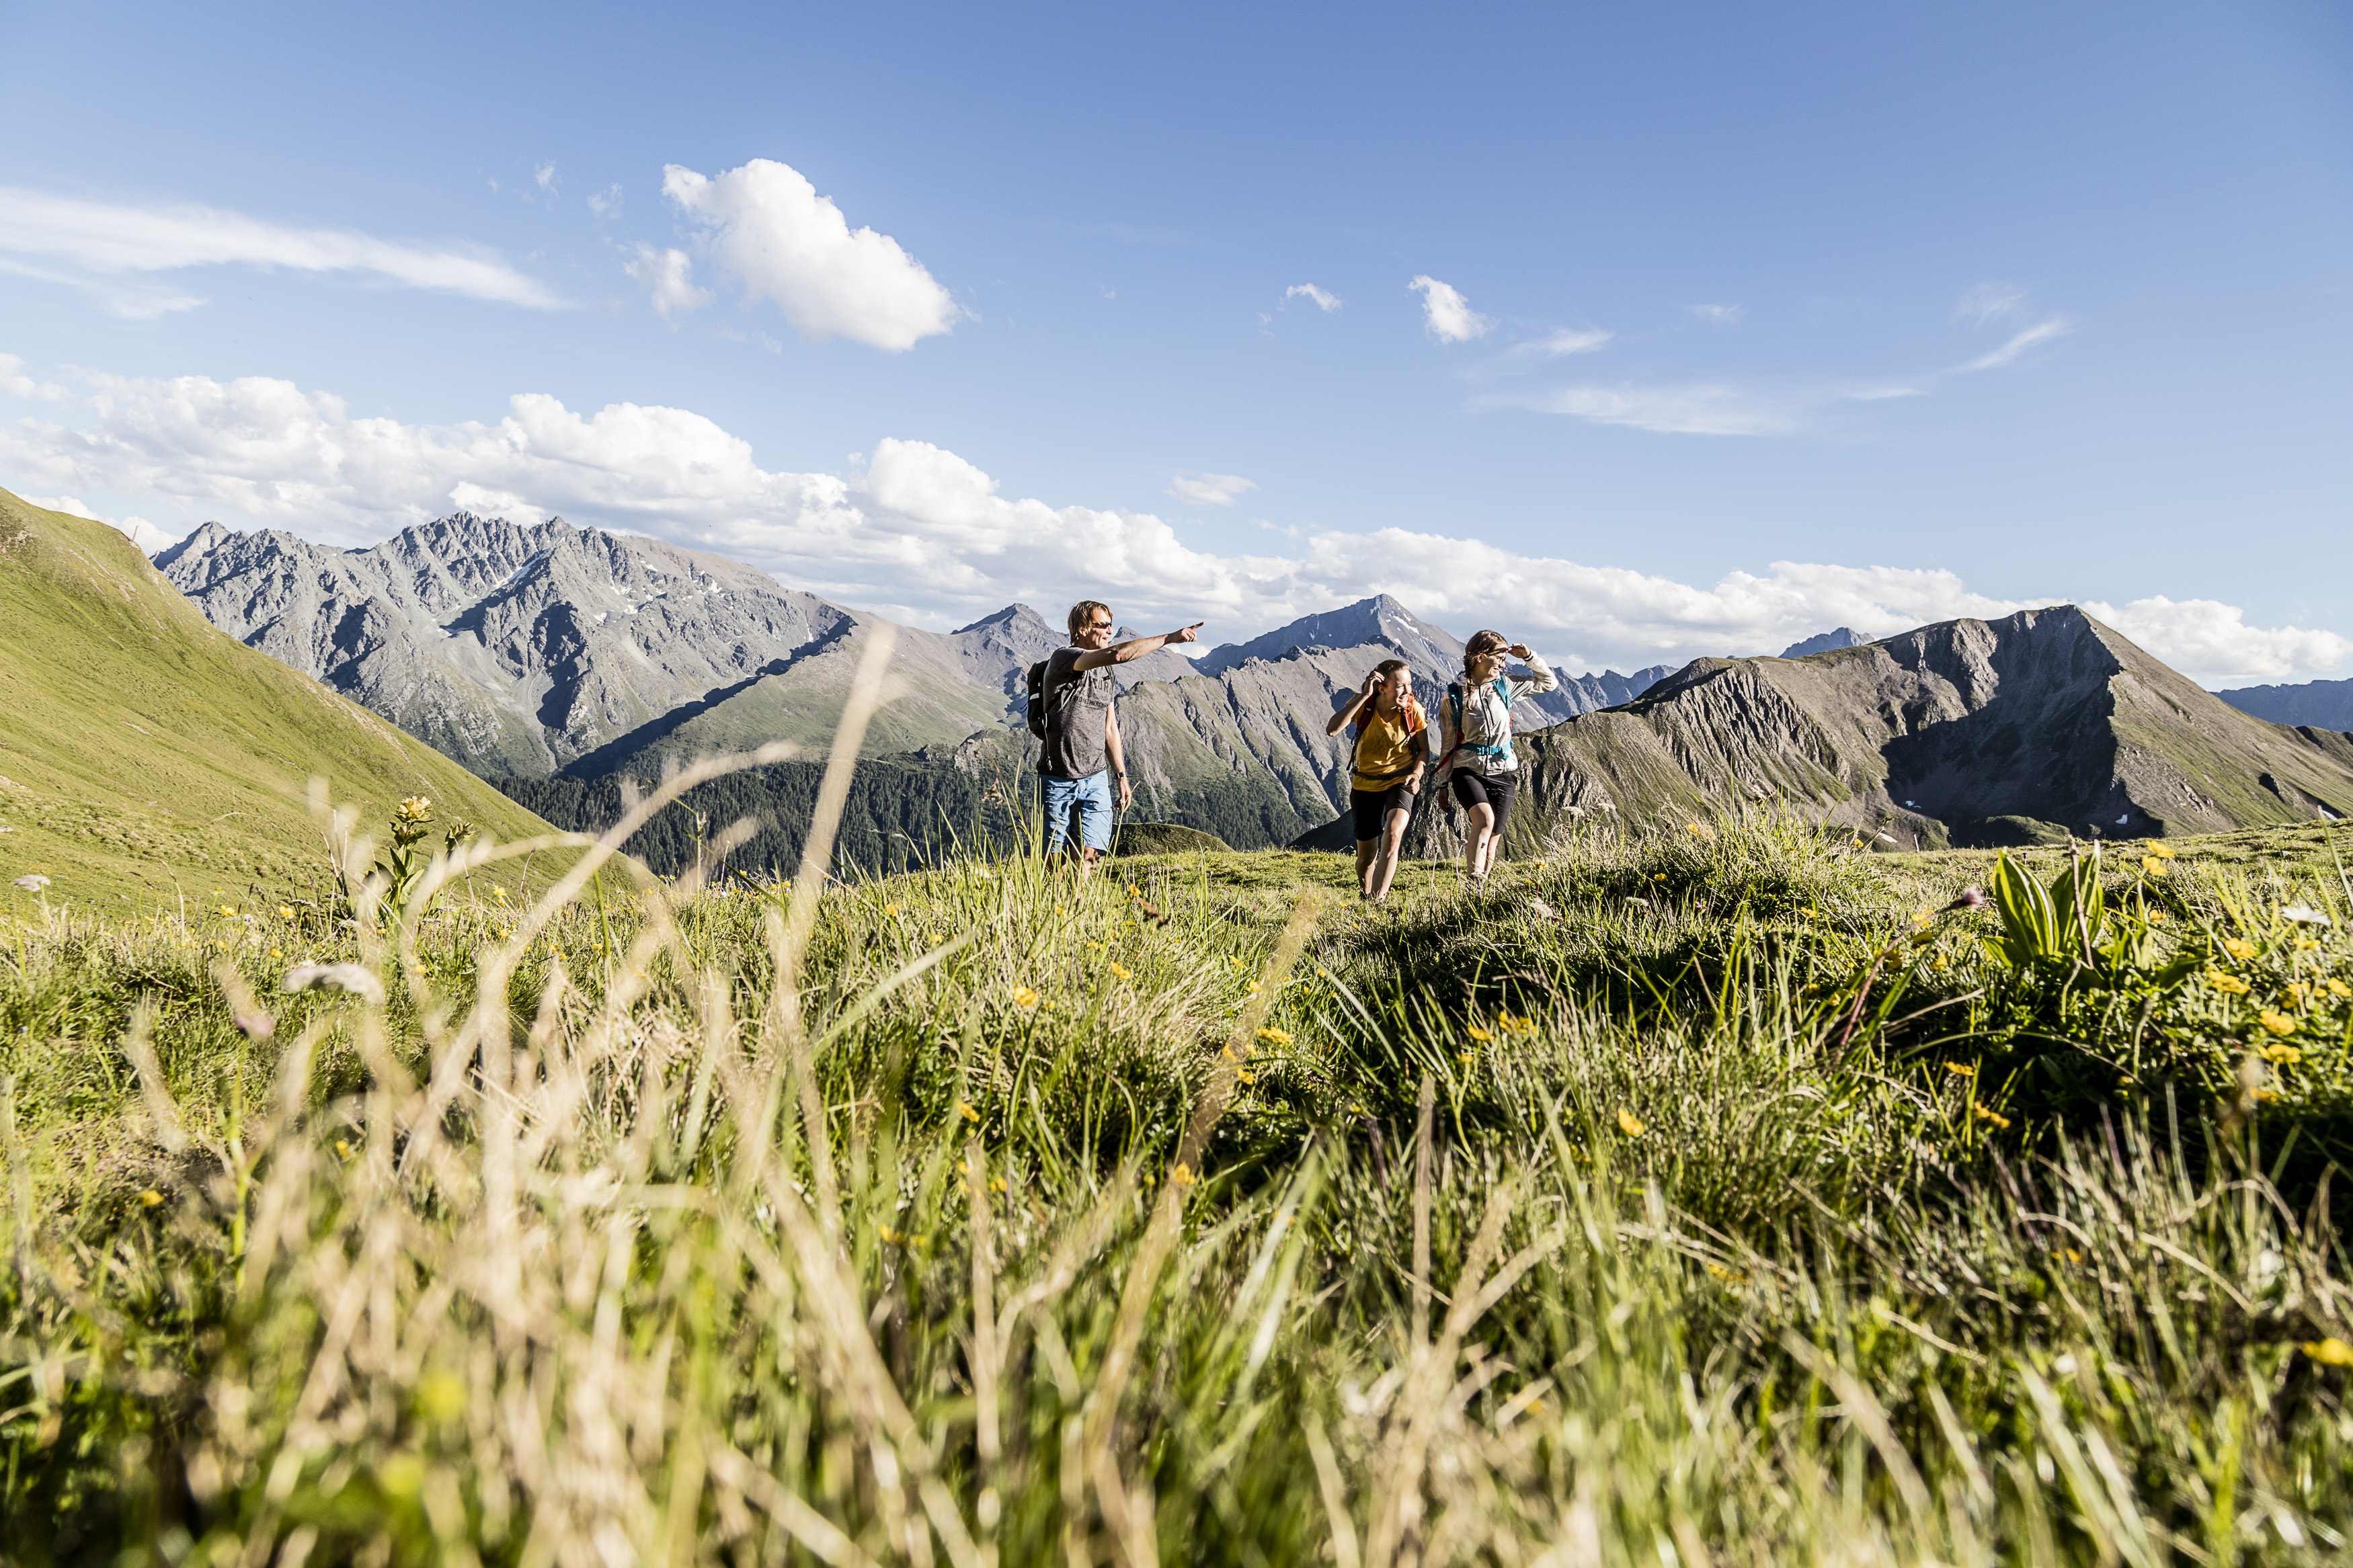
pixel 400 870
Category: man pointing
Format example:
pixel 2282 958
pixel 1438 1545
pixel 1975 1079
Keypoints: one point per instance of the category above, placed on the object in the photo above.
pixel 1081 762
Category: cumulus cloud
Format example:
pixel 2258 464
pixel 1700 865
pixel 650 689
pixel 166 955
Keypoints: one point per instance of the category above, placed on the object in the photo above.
pixel 669 280
pixel 924 534
pixel 1447 314
pixel 95 245
pixel 1209 490
pixel 1717 315
pixel 16 384
pixel 764 226
pixel 1324 302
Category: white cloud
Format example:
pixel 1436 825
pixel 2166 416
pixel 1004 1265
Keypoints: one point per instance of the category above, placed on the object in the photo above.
pixel 97 242
pixel 546 175
pixel 1324 302
pixel 669 278
pixel 1702 408
pixel 1717 315
pixel 606 202
pixel 16 384
pixel 2040 333
pixel 1991 301
pixel 1447 314
pixel 1554 345
pixel 1209 490
pixel 922 534
pixel 138 530
pixel 765 225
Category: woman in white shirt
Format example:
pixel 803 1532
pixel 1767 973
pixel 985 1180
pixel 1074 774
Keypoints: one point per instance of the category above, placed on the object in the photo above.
pixel 1477 761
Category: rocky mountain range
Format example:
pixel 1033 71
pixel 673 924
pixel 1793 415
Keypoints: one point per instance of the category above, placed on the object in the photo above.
pixel 1966 732
pixel 535 649
pixel 2322 704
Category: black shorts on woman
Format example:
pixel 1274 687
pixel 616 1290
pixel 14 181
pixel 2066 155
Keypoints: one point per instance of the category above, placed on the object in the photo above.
pixel 1493 790
pixel 1371 808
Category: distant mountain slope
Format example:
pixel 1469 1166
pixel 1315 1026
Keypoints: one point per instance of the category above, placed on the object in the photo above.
pixel 1823 642
pixel 1965 731
pixel 143 754
pixel 2322 704
pixel 529 650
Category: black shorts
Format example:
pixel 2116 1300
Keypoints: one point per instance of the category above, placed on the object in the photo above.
pixel 1494 790
pixel 1372 807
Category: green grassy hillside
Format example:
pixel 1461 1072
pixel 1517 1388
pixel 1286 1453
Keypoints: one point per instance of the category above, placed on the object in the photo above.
pixel 144 755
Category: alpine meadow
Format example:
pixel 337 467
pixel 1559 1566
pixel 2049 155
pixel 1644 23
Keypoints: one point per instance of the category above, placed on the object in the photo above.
pixel 1720 1193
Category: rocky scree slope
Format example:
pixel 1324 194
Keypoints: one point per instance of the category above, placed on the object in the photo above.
pixel 1970 733
pixel 529 650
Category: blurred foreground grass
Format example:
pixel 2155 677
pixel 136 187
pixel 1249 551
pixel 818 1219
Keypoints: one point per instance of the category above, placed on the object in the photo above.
pixel 1713 1196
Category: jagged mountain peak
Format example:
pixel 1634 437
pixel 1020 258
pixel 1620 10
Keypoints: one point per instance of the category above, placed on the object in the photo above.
pixel 1382 618
pixel 1824 642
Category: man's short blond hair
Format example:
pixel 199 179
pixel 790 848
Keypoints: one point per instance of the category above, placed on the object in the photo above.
pixel 1082 612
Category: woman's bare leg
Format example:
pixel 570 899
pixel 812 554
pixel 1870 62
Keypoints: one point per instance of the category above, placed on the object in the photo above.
pixel 1477 835
pixel 1365 848
pixel 1493 841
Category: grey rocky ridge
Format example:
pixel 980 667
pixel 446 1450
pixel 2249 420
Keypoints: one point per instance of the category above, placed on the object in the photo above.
pixel 525 649
pixel 2322 704
pixel 2031 727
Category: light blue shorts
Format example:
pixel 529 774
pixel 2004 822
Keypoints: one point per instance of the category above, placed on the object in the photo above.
pixel 1088 800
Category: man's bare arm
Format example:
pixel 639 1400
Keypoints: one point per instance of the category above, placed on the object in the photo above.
pixel 1135 647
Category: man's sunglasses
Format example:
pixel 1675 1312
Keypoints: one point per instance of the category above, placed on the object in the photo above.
pixel 1099 626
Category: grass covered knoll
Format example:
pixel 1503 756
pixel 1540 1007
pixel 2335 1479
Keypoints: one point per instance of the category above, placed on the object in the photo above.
pixel 1687 1199
pixel 145 755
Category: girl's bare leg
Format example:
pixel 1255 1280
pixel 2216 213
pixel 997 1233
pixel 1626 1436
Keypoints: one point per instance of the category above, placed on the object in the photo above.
pixel 1390 843
pixel 1493 841
pixel 1365 859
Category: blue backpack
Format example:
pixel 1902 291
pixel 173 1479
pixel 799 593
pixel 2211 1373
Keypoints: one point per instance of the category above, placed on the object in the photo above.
pixel 1490 748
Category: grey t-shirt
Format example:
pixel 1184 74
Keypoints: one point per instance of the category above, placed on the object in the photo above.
pixel 1077 704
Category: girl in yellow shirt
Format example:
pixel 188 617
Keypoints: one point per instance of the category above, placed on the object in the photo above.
pixel 1392 751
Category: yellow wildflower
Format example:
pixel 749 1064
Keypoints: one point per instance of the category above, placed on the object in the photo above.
pixel 2277 1022
pixel 1182 1175
pixel 1094 947
pixel 2305 944
pixel 2239 948
pixel 1274 1037
pixel 1961 1069
pixel 996 1184
pixel 2337 987
pixel 889 909
pixel 1133 892
pixel 965 1110
pixel 276 952
pixel 2156 917
pixel 1982 1114
pixel 1024 997
pixel 2229 984
pixel 2152 865
pixel 2282 1054
pixel 2330 1351
pixel 1629 1123
pixel 1944 961
pixel 2162 851
pixel 285 913
pixel 499 893
pixel 2297 991
pixel 1465 1058
pixel 149 1198
pixel 228 908
pixel 342 1150
pixel 1476 1033
pixel 1253 988
pixel 1115 969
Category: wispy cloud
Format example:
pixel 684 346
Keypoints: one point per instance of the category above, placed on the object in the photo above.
pixel 1991 301
pixel 1325 301
pixel 1554 345
pixel 91 245
pixel 1698 408
pixel 1209 490
pixel 1717 315
pixel 2040 333
pixel 1447 314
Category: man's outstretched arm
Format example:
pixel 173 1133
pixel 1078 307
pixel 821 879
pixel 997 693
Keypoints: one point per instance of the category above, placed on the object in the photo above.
pixel 1135 647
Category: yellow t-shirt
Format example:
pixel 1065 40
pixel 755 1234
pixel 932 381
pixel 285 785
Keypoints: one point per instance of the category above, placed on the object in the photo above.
pixel 1388 749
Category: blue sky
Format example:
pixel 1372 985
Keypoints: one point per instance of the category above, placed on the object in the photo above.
pixel 1740 322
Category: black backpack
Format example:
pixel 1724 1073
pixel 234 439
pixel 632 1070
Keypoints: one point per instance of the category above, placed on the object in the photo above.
pixel 1038 699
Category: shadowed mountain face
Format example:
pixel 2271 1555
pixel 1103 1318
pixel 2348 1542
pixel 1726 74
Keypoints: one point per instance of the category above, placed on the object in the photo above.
pixel 533 649
pixel 2322 704
pixel 1966 732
